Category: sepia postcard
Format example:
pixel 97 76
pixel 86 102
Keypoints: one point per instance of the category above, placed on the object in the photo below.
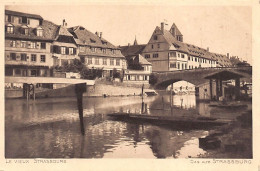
pixel 121 85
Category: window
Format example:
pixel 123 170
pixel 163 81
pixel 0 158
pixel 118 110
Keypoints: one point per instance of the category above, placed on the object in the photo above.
pixel 155 37
pixel 63 50
pixel 117 62
pixel 93 49
pixel 195 59
pixel 23 44
pixel 23 57
pixel 24 20
pixel 43 58
pixel 178 55
pixel 71 51
pixel 39 32
pixel 178 66
pixel 25 30
pixel 43 45
pixel 189 58
pixel 158 45
pixel 147 55
pixel 111 61
pixel 33 72
pixel 104 50
pixel 17 72
pixel 13 43
pixel 13 56
pixel 172 65
pixel 104 61
pixel 89 60
pixel 10 28
pixel 182 55
pixel 182 66
pixel 33 57
pixel 173 54
pixel 97 61
pixel 155 55
pixel 33 45
pixel 152 46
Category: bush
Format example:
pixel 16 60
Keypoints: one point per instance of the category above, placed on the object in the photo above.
pixel 91 74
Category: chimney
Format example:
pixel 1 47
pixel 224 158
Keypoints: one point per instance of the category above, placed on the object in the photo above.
pixel 97 33
pixel 208 49
pixel 100 35
pixel 162 27
pixel 63 22
pixel 228 55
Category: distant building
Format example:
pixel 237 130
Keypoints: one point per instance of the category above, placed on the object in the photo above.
pixel 64 48
pixel 167 52
pixel 28 40
pixel 138 68
pixel 97 52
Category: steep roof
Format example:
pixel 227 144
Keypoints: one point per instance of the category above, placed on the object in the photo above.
pixel 83 36
pixel 21 14
pixel 222 60
pixel 193 50
pixel 174 42
pixel 132 50
pixel 63 31
pixel 49 32
pixel 142 60
pixel 178 33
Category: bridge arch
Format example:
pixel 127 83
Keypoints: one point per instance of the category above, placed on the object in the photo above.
pixel 194 76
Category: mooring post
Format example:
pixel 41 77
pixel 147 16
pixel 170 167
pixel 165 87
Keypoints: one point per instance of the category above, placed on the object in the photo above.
pixel 171 96
pixel 142 99
pixel 79 90
pixel 33 91
pixel 163 102
pixel 27 91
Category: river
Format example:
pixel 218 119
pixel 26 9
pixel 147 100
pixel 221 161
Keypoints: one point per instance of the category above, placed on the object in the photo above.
pixel 49 128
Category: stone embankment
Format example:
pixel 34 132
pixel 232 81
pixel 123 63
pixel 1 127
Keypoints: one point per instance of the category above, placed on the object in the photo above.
pixel 94 91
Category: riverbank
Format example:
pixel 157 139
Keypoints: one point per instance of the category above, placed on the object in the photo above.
pixel 235 139
pixel 98 90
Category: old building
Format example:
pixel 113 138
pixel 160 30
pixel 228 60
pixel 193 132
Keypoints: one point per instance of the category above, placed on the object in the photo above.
pixel 97 52
pixel 64 48
pixel 138 68
pixel 28 40
pixel 167 52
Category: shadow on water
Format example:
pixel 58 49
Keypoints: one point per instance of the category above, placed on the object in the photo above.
pixel 49 128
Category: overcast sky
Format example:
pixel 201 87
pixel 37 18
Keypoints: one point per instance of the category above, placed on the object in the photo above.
pixel 224 29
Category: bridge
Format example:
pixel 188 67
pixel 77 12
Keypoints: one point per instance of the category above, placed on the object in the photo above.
pixel 195 76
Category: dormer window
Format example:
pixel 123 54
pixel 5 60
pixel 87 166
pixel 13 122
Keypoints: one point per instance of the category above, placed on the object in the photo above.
pixel 39 31
pixel 92 41
pixel 25 30
pixel 10 28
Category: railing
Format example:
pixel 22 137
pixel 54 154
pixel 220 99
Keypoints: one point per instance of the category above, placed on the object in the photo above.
pixel 204 68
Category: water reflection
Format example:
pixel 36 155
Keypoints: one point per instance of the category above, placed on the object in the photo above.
pixel 49 128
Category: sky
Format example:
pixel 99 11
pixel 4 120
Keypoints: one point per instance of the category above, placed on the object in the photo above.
pixel 224 29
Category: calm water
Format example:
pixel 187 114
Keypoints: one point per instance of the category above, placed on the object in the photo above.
pixel 49 128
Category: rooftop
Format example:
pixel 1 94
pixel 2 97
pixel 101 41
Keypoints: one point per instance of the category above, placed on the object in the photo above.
pixel 15 13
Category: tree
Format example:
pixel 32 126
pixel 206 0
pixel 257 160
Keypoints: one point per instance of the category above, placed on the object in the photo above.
pixel 116 74
pixel 153 79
